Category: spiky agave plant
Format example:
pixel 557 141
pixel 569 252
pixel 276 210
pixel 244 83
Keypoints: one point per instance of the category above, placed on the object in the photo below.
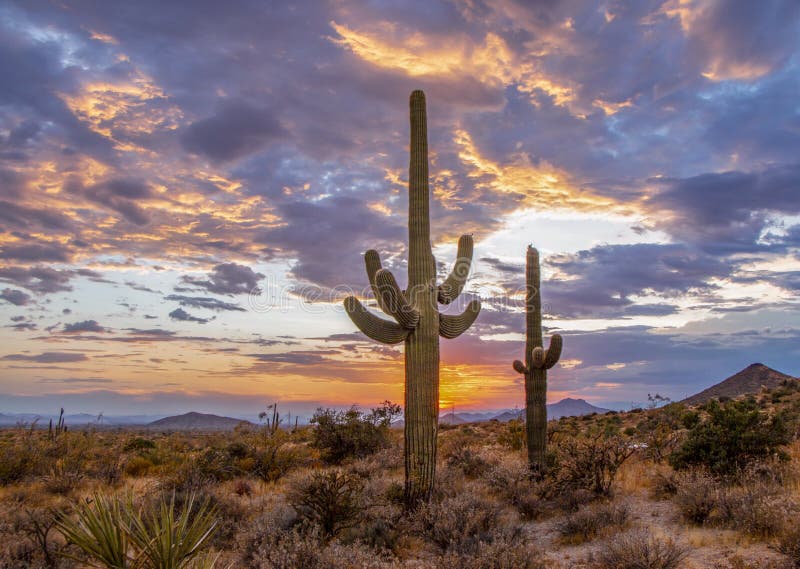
pixel 115 534
pixel 537 362
pixel 418 321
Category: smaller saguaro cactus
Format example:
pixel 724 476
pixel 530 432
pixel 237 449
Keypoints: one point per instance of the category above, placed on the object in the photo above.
pixel 537 362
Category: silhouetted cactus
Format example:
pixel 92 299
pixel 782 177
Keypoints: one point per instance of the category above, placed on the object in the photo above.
pixel 419 323
pixel 537 362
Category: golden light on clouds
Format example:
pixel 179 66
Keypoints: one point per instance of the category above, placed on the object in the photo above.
pixel 134 106
pixel 541 184
pixel 490 61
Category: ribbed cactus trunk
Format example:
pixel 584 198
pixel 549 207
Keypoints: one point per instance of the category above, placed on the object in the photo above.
pixel 537 362
pixel 418 321
pixel 422 345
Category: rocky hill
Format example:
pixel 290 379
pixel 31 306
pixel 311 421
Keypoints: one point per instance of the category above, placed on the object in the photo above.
pixel 748 381
pixel 196 422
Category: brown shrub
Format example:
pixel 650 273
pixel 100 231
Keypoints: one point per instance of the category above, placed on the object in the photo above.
pixel 331 499
pixel 638 549
pixel 502 553
pixel 457 523
pixel 696 496
pixel 592 521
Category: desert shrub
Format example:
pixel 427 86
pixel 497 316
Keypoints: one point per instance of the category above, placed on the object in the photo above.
pixel 789 544
pixel 757 508
pixel 351 434
pixel 19 458
pixel 278 540
pixel 502 553
pixel 242 487
pixel 734 435
pixel 29 538
pixel 592 521
pixel 136 444
pixel 331 499
pixel 513 436
pixel 511 481
pixel 696 496
pixel 665 484
pixel 589 462
pixel 471 461
pixel 637 549
pixel 64 476
pixel 457 523
pixel 739 562
pixel 137 466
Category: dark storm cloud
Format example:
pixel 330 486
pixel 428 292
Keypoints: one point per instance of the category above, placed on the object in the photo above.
pixel 15 297
pixel 235 130
pixel 36 252
pixel 83 326
pixel 48 357
pixel 122 195
pixel 204 302
pixel 181 314
pixel 33 75
pixel 600 281
pixel 332 235
pixel 726 212
pixel 27 218
pixel 228 278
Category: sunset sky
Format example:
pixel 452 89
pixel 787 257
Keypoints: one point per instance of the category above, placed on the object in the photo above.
pixel 186 190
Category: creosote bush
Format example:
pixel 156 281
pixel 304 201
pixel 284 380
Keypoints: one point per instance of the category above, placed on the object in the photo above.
pixel 340 435
pixel 591 522
pixel 331 499
pixel 734 435
pixel 638 549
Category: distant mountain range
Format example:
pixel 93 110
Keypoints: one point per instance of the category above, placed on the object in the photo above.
pixel 196 422
pixel 750 380
pixel 565 408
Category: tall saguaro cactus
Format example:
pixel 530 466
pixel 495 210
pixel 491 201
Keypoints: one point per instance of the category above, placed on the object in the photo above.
pixel 537 362
pixel 415 310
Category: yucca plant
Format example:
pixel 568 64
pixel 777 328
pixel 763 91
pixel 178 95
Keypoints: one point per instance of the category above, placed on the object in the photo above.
pixel 100 531
pixel 167 541
pixel 115 534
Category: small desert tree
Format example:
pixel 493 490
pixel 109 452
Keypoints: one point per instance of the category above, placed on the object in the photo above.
pixel 732 436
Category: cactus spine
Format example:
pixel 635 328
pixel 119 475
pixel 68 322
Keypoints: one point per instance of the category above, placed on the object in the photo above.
pixel 418 321
pixel 537 362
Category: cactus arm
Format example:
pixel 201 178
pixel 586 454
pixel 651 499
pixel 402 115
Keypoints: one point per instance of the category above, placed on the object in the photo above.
pixel 454 283
pixel 453 326
pixel 393 301
pixel 545 359
pixel 378 329
pixel 373 263
pixel 553 352
pixel 519 367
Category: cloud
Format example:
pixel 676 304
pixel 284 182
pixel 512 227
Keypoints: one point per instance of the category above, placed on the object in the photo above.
pixel 204 302
pixel 48 357
pixel 42 280
pixel 36 252
pixel 726 212
pixel 84 326
pixel 228 278
pixel 15 297
pixel 294 358
pixel 181 314
pixel 235 130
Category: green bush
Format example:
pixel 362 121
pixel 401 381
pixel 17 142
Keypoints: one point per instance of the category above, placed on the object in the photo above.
pixel 352 434
pixel 734 435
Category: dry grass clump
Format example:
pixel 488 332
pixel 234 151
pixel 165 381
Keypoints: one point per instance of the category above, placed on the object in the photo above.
pixel 789 544
pixel 458 523
pixel 696 496
pixel 591 522
pixel 638 549
pixel 502 553
pixel 511 481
